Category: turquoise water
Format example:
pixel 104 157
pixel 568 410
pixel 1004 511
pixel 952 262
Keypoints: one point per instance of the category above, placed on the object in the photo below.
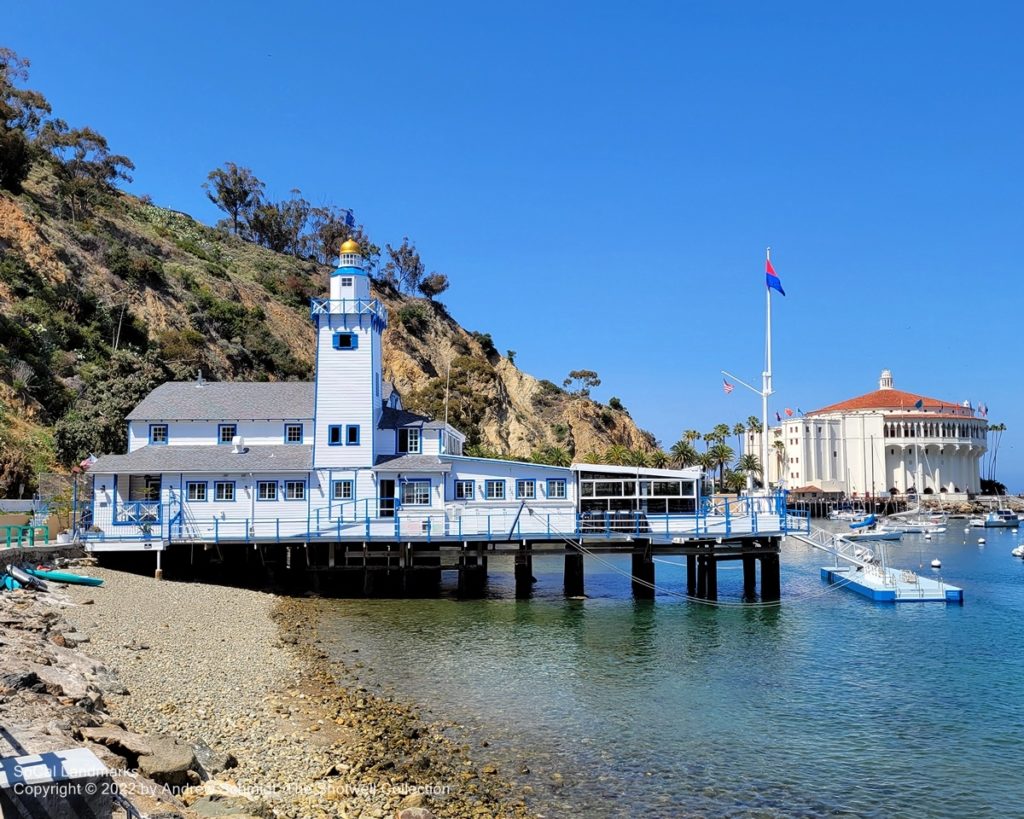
pixel 829 705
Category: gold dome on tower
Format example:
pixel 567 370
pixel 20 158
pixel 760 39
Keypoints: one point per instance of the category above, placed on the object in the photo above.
pixel 350 246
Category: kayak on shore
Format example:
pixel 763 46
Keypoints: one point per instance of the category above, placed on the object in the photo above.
pixel 65 577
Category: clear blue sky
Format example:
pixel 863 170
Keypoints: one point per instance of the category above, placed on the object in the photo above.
pixel 600 180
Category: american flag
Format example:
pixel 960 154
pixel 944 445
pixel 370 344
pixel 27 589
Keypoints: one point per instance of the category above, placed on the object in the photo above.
pixel 726 387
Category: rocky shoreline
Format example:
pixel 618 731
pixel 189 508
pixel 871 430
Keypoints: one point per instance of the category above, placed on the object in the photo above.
pixel 223 702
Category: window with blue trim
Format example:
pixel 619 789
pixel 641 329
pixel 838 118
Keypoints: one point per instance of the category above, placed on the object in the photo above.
pixel 293 433
pixel 334 435
pixel 294 490
pixel 416 493
pixel 494 490
pixel 352 435
pixel 226 433
pixel 266 490
pixel 224 490
pixel 526 489
pixel 346 341
pixel 342 490
pixel 195 491
pixel 158 434
pixel 464 490
pixel 556 488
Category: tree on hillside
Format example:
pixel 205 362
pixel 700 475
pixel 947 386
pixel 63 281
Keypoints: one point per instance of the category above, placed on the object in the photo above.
pixel 580 382
pixel 21 116
pixel 86 169
pixel 235 190
pixel 551 455
pixel 404 268
pixel 434 285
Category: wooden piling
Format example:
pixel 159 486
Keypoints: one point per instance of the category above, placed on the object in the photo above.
pixel 524 573
pixel 749 577
pixel 643 576
pixel 574 574
pixel 771 582
pixel 691 575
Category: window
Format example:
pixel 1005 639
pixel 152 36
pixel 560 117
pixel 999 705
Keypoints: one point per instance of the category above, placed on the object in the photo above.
pixel 224 490
pixel 409 441
pixel 494 490
pixel 341 490
pixel 352 435
pixel 158 434
pixel 293 433
pixel 346 281
pixel 346 341
pixel 294 490
pixel 526 489
pixel 266 490
pixel 556 488
pixel 226 432
pixel 464 490
pixel 416 493
pixel 195 491
pixel 334 435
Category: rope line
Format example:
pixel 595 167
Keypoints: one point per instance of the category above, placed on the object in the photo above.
pixel 681 595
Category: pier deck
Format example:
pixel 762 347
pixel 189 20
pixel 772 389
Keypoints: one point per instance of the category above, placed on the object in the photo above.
pixel 889 585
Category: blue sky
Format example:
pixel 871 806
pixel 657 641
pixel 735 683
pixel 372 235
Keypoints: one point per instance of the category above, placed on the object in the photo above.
pixel 600 180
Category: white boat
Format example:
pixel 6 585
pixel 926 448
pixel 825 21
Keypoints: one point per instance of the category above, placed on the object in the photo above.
pixel 914 527
pixel 999 519
pixel 849 515
pixel 1018 551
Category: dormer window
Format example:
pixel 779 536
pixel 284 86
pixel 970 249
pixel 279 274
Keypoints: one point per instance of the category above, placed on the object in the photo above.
pixel 409 441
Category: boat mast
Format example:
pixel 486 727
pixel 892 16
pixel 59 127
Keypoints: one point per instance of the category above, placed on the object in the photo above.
pixel 766 379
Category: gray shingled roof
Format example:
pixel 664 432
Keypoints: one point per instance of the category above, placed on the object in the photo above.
pixel 411 463
pixel 387 389
pixel 394 418
pixel 227 400
pixel 208 458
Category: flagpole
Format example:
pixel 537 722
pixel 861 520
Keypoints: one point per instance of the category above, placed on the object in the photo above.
pixel 766 377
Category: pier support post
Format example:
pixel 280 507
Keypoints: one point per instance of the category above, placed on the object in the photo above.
pixel 643 574
pixel 771 583
pixel 574 574
pixel 749 577
pixel 472 576
pixel 159 573
pixel 712 578
pixel 691 575
pixel 524 573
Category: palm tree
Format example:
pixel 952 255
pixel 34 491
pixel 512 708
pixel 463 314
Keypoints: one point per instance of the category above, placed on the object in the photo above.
pixel 993 455
pixel 616 454
pixel 637 457
pixel 659 459
pixel 551 455
pixel 592 457
pixel 721 431
pixel 706 461
pixel 780 453
pixel 738 429
pixel 754 423
pixel 683 454
pixel 691 435
pixel 735 481
pixel 748 464
pixel 722 454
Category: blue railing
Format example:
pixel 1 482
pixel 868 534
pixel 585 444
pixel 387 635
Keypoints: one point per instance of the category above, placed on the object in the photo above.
pixel 372 307
pixel 138 513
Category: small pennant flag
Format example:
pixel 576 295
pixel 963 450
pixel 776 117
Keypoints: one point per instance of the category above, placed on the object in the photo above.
pixel 800 411
pixel 771 278
pixel 919 403
pixel 777 416
pixel 726 387
pixel 789 412
pixel 350 219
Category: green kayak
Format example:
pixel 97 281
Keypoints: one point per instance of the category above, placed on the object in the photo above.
pixel 65 577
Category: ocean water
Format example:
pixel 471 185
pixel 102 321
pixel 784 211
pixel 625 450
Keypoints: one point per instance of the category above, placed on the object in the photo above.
pixel 827 705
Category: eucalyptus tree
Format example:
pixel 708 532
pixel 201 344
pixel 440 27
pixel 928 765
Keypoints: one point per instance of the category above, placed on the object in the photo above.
pixel 235 190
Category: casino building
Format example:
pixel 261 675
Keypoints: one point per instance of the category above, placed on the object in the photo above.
pixel 878 443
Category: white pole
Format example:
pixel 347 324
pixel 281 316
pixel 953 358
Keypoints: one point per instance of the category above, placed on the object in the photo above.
pixel 766 378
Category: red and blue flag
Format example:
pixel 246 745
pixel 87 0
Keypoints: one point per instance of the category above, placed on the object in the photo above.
pixel 771 278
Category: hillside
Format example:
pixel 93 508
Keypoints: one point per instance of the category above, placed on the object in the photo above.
pixel 95 312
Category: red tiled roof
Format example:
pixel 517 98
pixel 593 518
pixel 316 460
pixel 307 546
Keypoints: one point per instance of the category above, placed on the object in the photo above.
pixel 888 399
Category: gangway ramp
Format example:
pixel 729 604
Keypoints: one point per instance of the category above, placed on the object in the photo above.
pixel 876 581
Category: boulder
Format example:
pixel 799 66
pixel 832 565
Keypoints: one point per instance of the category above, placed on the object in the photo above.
pixel 236 807
pixel 163 759
pixel 212 762
pixel 415 813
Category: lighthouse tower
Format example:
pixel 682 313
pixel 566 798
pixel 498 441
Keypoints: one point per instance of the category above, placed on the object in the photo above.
pixel 348 366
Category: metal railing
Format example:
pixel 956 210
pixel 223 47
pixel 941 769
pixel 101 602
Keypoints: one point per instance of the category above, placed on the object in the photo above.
pixel 323 307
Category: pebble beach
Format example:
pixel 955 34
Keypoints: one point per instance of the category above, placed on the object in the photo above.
pixel 240 672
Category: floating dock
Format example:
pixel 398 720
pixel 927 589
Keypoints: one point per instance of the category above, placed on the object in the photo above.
pixel 889 585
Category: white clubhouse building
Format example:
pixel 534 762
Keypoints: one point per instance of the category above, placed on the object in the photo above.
pixel 339 459
pixel 882 442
